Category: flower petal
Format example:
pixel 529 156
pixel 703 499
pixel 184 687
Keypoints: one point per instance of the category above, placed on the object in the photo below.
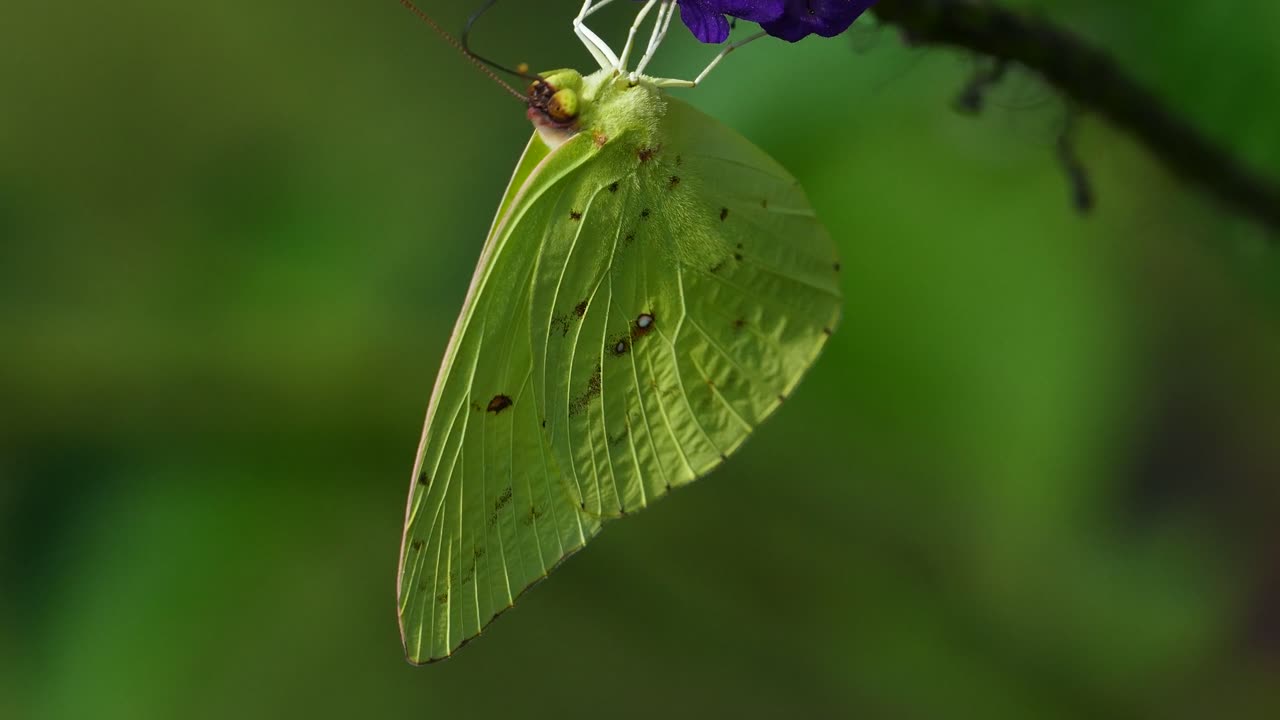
pixel 757 11
pixel 827 18
pixel 707 23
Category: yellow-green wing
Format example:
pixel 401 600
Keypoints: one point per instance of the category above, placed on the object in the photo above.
pixel 636 312
pixel 487 516
pixel 699 291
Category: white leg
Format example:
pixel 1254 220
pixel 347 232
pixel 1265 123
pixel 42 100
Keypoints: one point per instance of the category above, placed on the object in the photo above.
pixel 631 36
pixel 664 11
pixel 660 33
pixel 669 82
pixel 597 47
pixel 596 7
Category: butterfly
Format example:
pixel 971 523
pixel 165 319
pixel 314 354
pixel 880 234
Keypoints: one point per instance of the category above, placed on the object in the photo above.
pixel 652 288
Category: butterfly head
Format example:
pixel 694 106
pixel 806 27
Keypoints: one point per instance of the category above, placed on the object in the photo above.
pixel 554 100
pixel 556 105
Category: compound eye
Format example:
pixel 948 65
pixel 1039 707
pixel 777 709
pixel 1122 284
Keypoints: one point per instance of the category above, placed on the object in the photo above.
pixel 563 106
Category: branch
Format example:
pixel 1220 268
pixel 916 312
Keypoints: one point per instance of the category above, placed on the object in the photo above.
pixel 1092 79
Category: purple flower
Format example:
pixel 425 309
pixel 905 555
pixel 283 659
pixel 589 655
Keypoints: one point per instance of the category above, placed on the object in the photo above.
pixel 706 18
pixel 827 18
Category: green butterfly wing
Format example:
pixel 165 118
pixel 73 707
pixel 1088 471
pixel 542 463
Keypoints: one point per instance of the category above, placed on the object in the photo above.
pixel 637 311
pixel 486 515
pixel 698 290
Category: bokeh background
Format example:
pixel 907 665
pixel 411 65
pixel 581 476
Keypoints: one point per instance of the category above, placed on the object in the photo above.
pixel 1036 473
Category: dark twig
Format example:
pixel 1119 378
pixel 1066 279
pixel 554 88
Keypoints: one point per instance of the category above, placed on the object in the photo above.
pixel 1081 188
pixel 974 96
pixel 1092 79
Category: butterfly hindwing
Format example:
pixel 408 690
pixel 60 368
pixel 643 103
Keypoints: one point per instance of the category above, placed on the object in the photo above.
pixel 698 289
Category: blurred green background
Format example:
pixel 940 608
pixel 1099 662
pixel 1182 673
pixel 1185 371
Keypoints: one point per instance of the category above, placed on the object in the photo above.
pixel 1034 475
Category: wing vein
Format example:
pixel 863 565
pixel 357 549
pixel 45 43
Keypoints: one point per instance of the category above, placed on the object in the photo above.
pixel 716 391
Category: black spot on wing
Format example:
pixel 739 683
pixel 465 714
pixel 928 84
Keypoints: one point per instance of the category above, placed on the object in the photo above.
pixel 533 514
pixel 499 403
pixel 592 392
pixel 498 505
pixel 642 326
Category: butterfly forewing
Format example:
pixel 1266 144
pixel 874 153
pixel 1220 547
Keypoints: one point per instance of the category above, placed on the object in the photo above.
pixel 487 514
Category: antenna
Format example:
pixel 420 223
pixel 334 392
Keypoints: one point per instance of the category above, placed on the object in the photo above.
pixel 475 60
pixel 466 47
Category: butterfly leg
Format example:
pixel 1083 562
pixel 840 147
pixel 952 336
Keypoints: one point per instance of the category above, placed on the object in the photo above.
pixel 621 67
pixel 665 13
pixel 598 48
pixel 671 82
